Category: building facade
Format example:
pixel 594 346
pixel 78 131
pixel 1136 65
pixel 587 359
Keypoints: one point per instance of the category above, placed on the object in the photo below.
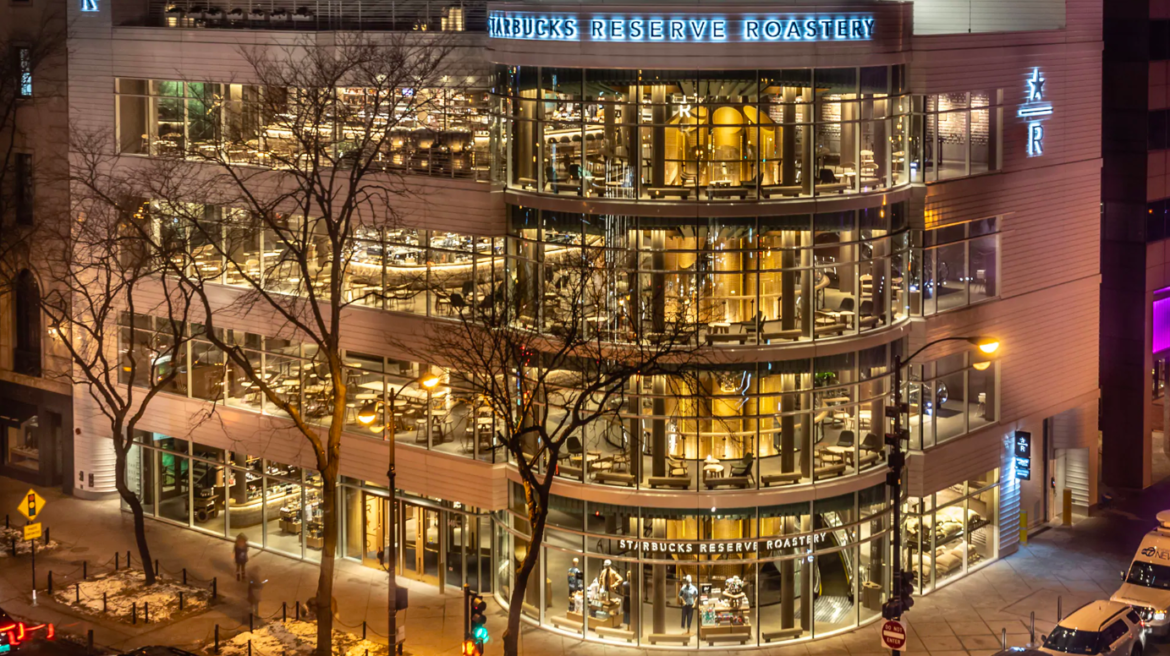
pixel 36 405
pixel 824 189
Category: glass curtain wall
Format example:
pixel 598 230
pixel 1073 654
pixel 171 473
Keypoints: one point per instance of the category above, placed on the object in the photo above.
pixel 744 281
pixel 954 266
pixel 657 135
pixel 951 396
pixel 440 132
pixel 278 507
pixel 699 579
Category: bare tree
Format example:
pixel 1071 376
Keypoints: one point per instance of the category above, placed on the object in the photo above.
pixel 302 161
pixel 551 361
pixel 100 291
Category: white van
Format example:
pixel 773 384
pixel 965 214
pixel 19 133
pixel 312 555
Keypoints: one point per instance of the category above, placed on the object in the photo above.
pixel 1146 586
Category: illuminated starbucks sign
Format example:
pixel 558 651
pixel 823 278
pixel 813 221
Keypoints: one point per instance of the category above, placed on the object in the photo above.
pixel 650 547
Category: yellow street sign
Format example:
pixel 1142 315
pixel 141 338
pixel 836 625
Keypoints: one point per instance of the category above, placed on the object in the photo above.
pixel 32 505
pixel 32 531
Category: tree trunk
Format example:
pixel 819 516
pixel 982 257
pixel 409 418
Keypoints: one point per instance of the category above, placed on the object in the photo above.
pixel 325 576
pixel 131 499
pixel 520 583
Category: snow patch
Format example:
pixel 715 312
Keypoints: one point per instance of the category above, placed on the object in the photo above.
pixel 125 588
pixel 295 638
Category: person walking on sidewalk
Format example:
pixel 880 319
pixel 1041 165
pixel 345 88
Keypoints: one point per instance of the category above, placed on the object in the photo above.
pixel 241 556
pixel 255 585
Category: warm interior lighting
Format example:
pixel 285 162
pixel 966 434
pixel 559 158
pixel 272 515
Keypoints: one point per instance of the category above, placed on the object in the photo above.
pixel 981 366
pixel 368 413
pixel 986 344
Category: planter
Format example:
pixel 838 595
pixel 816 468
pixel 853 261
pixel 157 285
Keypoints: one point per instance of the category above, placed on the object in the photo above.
pixel 302 18
pixel 235 16
pixel 279 17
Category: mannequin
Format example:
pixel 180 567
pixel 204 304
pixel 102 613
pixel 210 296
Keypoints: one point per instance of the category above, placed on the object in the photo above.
pixel 688 594
pixel 626 599
pixel 609 579
pixel 575 579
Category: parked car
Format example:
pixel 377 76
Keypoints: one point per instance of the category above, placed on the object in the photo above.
pixel 1099 628
pixel 14 633
pixel 1146 586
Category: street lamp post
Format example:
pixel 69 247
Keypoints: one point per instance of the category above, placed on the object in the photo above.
pixel 897 461
pixel 367 415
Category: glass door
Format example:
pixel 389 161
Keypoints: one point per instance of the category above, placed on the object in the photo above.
pixel 420 545
pixel 375 521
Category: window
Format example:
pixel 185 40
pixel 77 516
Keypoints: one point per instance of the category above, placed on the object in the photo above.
pixel 950 397
pixel 1158 375
pixel 961 134
pixel 24 189
pixel 1159 40
pixel 1156 122
pixel 24 62
pixel 27 356
pixel 955 266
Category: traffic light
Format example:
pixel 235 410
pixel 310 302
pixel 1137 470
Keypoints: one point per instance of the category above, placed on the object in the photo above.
pixel 469 648
pixel 477 610
pixel 892 609
pixel 904 587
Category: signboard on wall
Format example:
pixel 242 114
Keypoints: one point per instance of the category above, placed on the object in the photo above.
pixel 1022 441
pixel 1034 111
pixel 679 28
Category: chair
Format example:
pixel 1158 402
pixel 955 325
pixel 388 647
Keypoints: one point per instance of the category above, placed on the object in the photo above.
pixel 744 468
pixel 871 444
pixel 457 302
pixel 677 467
pixel 846 439
pixel 846 304
pixel 574 446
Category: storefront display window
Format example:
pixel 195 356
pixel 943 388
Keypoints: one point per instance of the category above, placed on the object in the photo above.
pixel 951 531
pixel 756 575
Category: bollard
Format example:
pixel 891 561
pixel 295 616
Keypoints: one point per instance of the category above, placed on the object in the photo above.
pixel 217 638
pixel 251 623
pixel 46 536
pixel 184 576
pixel 116 556
pixel 249 647
pixel 180 600
pixel 284 611
pixel 84 570
pixel 6 521
pixel 146 612
pixel 134 612
pixel 214 587
pixel 297 611
pixel 1003 638
pixel 128 563
pixel 103 602
pixel 14 547
pixel 1059 612
pixel 50 581
pixel 157 571
pixel 363 629
pixel 1032 630
pixel 89 642
pixel 77 597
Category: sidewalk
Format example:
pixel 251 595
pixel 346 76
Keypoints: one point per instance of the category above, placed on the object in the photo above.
pixel 963 619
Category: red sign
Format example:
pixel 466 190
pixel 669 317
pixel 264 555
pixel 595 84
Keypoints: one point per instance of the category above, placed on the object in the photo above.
pixel 893 635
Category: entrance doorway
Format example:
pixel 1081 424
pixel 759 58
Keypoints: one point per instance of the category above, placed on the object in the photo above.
pixel 375 510
pixel 421 546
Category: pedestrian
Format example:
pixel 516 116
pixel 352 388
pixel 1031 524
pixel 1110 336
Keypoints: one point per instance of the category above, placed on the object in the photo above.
pixel 241 556
pixel 255 585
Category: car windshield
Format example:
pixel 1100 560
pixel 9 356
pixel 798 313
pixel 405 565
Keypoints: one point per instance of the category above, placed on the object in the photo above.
pixel 1149 575
pixel 1072 641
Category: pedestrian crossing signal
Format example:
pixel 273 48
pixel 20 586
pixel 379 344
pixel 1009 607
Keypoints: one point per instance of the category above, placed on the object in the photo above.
pixel 470 649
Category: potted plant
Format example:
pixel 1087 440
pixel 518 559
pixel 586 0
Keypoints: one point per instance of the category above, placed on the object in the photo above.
pixel 257 15
pixel 302 14
pixel 213 15
pixel 195 13
pixel 279 15
pixel 236 15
